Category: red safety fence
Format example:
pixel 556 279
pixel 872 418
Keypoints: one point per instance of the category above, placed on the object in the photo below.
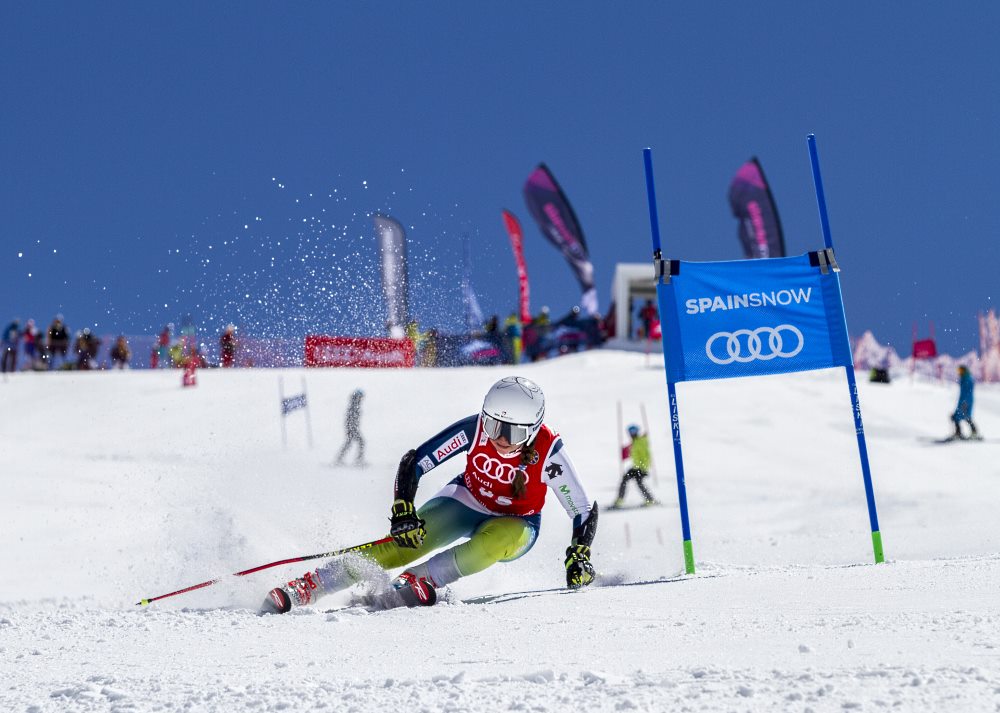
pixel 368 352
pixel 924 349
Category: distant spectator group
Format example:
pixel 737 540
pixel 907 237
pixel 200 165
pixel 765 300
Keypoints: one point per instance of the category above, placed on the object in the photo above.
pixel 184 351
pixel 539 338
pixel 53 348
pixel 25 347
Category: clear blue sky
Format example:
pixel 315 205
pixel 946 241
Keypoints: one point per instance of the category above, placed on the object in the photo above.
pixel 221 159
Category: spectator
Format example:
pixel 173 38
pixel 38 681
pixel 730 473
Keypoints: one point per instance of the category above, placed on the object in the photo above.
pixel 491 334
pixel 32 345
pixel 86 347
pixel 431 347
pixel 570 333
pixel 177 356
pixel 57 343
pixel 512 336
pixel 189 334
pixel 121 355
pixel 609 326
pixel 647 315
pixel 529 340
pixel 8 346
pixel 194 356
pixel 163 348
pixel 593 327
pixel 227 346
pixel 536 344
pixel 414 334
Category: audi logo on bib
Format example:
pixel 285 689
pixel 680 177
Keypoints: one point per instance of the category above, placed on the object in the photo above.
pixel 746 345
pixel 494 469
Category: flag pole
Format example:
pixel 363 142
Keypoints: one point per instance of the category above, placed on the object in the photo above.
pixel 281 402
pixel 618 443
pixel 852 383
pixel 675 423
pixel 309 428
pixel 645 428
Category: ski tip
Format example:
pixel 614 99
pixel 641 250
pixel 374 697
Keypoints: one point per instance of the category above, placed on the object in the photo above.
pixel 277 601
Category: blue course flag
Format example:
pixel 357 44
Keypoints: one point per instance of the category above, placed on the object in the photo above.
pixel 293 402
pixel 752 317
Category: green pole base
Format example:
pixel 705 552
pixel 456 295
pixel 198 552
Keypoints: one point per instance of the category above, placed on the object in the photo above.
pixel 877 546
pixel 688 557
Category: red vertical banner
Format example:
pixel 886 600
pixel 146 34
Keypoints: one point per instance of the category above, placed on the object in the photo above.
pixel 517 244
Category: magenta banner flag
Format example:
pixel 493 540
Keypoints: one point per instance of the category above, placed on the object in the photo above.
pixel 753 205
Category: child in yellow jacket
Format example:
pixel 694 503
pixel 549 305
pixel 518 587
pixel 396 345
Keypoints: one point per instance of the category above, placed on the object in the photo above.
pixel 638 451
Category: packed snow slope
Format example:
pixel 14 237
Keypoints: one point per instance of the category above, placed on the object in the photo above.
pixel 121 486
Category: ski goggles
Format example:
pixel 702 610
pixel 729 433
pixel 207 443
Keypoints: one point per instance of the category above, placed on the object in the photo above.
pixel 515 433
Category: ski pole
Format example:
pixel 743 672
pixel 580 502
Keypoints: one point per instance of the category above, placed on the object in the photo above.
pixel 322 555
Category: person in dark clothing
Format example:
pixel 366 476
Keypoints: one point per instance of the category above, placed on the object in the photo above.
pixel 57 342
pixel 86 348
pixel 536 344
pixel 492 334
pixel 8 345
pixel 647 315
pixel 120 353
pixel 963 412
pixel 570 334
pixel 352 428
pixel 227 346
pixel 33 347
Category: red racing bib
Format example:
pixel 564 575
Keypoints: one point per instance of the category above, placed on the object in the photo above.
pixel 489 476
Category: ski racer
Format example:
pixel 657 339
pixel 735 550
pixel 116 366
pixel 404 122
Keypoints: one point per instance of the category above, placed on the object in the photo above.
pixel 638 452
pixel 511 456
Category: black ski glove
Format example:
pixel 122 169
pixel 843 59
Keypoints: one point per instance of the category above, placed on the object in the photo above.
pixel 405 527
pixel 579 570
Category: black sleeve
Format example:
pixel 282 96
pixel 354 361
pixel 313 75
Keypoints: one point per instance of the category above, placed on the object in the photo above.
pixel 406 477
pixel 584 533
pixel 453 440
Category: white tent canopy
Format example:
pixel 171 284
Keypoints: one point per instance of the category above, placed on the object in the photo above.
pixel 632 281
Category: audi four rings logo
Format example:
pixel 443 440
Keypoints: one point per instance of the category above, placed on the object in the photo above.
pixel 494 469
pixel 754 344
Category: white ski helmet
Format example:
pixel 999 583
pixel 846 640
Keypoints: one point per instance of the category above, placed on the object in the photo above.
pixel 514 408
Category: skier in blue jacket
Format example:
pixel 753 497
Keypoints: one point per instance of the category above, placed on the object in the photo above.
pixel 963 412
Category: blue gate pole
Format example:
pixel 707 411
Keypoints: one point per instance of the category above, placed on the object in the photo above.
pixel 852 383
pixel 675 423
